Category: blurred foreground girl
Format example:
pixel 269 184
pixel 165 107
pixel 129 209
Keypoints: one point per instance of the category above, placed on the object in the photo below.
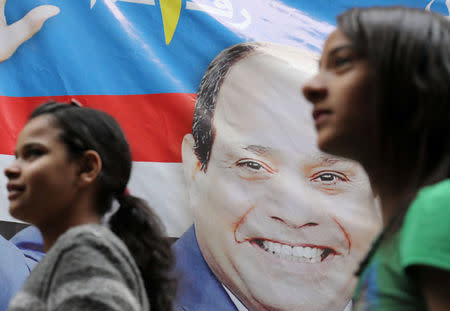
pixel 382 97
pixel 71 163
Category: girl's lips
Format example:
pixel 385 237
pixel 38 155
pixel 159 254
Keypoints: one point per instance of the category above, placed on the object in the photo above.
pixel 320 116
pixel 13 194
pixel 14 190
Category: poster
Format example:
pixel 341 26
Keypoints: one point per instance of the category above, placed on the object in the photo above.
pixel 142 61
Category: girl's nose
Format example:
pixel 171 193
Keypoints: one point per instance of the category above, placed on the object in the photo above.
pixel 12 170
pixel 315 90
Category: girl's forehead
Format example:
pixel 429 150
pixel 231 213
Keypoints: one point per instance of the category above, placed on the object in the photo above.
pixel 40 126
pixel 335 39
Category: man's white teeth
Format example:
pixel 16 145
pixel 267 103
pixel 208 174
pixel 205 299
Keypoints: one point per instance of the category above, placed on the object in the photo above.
pixel 296 253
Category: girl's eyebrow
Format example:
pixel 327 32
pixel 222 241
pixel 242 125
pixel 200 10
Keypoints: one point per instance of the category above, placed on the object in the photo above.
pixel 339 48
pixel 336 50
pixel 29 145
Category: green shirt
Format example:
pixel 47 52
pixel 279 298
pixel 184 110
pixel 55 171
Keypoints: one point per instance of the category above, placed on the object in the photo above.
pixel 424 239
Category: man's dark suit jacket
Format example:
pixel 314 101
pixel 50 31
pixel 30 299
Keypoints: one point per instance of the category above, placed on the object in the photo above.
pixel 198 288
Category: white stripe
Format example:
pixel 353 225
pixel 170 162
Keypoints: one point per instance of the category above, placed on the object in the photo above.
pixel 4 215
pixel 98 288
pixel 161 184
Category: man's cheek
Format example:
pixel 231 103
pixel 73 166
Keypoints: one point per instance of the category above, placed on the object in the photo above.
pixel 360 232
pixel 228 184
pixel 360 214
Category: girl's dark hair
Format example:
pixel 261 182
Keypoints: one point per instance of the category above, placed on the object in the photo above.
pixel 134 222
pixel 408 52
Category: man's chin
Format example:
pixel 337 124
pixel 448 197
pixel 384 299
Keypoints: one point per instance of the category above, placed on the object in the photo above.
pixel 269 290
pixel 267 294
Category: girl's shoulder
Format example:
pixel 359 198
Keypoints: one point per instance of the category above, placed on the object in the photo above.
pixel 432 202
pixel 88 235
pixel 92 241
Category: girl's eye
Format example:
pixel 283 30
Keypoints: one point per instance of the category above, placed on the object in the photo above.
pixel 341 61
pixel 328 178
pixel 32 153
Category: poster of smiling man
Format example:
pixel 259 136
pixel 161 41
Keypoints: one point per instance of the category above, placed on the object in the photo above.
pixel 278 225
pixel 208 93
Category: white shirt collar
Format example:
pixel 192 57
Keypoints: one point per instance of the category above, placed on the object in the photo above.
pixel 349 306
pixel 241 307
pixel 235 300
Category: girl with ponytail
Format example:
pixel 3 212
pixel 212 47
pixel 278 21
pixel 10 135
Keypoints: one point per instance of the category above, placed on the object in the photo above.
pixel 71 164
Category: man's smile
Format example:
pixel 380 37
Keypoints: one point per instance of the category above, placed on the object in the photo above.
pixel 307 253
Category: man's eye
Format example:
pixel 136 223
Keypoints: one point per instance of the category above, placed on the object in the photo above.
pixel 253 169
pixel 328 178
pixel 250 164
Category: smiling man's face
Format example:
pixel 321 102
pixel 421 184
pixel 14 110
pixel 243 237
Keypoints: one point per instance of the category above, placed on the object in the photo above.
pixel 281 224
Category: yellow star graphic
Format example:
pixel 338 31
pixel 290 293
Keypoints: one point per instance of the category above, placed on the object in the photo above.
pixel 170 11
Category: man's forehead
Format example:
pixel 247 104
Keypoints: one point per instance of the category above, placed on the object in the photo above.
pixel 260 102
pixel 265 88
pixel 301 59
pixel 271 58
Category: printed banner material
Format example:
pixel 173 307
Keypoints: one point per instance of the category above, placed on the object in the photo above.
pixel 278 225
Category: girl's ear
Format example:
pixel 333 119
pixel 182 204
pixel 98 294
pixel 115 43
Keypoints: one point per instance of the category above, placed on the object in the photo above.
pixel 90 167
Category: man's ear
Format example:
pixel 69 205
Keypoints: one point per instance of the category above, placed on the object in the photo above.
pixel 90 167
pixel 191 164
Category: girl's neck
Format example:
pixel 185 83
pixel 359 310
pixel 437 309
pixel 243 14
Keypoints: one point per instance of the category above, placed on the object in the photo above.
pixel 52 232
pixel 78 214
pixel 393 196
pixel 390 204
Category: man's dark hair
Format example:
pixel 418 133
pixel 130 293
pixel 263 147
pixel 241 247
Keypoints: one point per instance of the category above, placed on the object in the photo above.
pixel 202 128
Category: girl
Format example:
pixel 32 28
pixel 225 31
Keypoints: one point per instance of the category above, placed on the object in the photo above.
pixel 381 97
pixel 71 163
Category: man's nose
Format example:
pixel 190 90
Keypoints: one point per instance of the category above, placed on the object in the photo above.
pixel 296 203
pixel 294 225
pixel 315 89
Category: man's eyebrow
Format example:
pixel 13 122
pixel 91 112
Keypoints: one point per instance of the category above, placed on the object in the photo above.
pixel 329 161
pixel 258 149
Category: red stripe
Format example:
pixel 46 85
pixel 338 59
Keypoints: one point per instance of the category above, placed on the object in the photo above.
pixel 153 123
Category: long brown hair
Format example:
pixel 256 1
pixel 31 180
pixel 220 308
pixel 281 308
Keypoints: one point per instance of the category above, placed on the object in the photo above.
pixel 408 52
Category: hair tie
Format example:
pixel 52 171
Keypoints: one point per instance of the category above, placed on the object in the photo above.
pixel 122 196
pixel 74 102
